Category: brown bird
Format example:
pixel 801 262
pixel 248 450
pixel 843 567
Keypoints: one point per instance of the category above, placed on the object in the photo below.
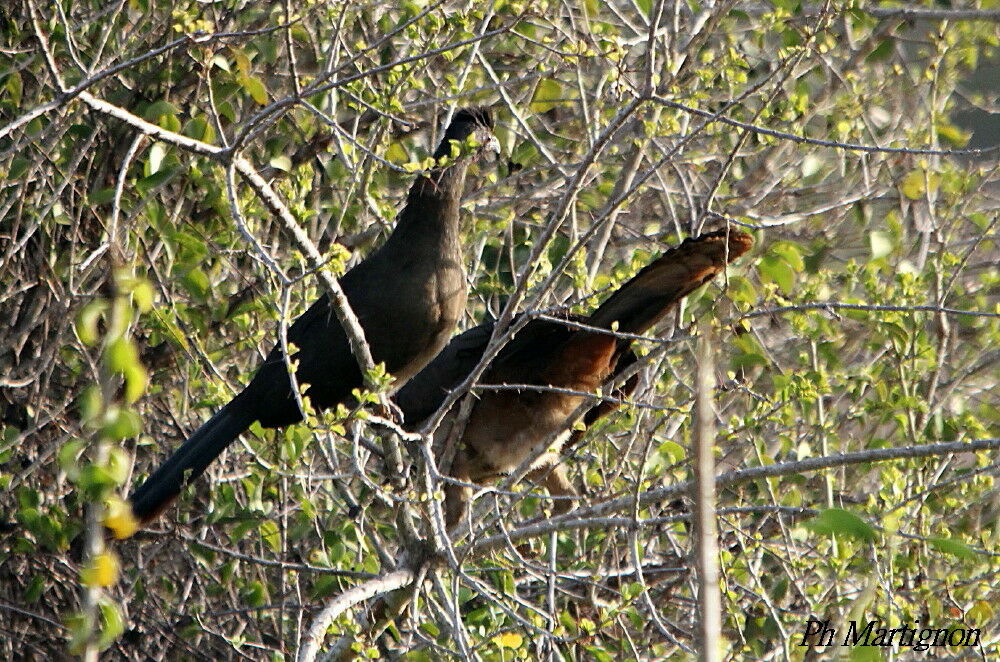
pixel 408 296
pixel 506 426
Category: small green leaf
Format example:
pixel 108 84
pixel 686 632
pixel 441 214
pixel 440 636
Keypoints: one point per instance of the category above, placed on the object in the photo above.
pixel 147 184
pixel 121 424
pixel 86 321
pixel 775 270
pixel 136 379
pixel 142 296
pixel 524 155
pixel 397 154
pixel 672 451
pixel 269 532
pixel 255 594
pixel 156 154
pixel 158 109
pixel 101 196
pixel 882 51
pixel 200 128
pixel 953 135
pixel 281 162
pixel 599 654
pixel 35 589
pixel 255 88
pixel 790 252
pixel 112 624
pixel 18 166
pixel 509 640
pixel 547 94
pixel 880 243
pixel 837 521
pixel 122 355
pixel 14 87
pixel 69 457
pixel 914 185
pixel 197 282
pixel 953 547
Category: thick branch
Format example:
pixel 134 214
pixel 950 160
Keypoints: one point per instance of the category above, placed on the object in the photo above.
pixel 317 631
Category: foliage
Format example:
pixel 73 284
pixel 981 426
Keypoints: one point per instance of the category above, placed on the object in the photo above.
pixel 136 302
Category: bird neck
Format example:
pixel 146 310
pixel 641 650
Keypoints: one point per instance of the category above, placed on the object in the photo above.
pixel 431 211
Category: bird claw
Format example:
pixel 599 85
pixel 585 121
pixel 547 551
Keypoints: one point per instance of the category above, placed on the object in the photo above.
pixel 390 411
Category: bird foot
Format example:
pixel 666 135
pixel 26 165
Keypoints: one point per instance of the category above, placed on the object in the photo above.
pixel 390 411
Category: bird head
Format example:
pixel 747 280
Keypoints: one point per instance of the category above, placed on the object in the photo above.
pixel 470 133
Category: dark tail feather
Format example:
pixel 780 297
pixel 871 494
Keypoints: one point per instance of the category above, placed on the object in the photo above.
pixel 188 462
pixel 651 293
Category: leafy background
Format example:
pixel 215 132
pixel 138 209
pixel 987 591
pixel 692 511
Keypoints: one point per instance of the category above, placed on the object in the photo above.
pixel 135 303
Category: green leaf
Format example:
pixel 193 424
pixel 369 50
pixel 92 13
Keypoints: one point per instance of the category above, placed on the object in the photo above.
pixel 69 457
pixel 599 654
pixel 255 88
pixel 672 451
pixel 281 162
pixel 775 270
pixel 112 623
pixel 792 6
pixel 86 321
pixel 14 87
pixel 121 424
pixel 837 521
pixel 102 196
pixel 882 51
pixel 914 185
pixel 524 155
pixel 255 594
pixel 156 154
pixel 791 253
pixel 547 93
pixel 953 135
pixel 197 282
pixel 158 109
pixel 866 654
pixel 147 184
pixel 880 243
pixel 18 166
pixel 35 589
pixel 136 379
pixel 142 295
pixel 509 640
pixel 953 547
pixel 271 535
pixel 122 355
pixel 397 154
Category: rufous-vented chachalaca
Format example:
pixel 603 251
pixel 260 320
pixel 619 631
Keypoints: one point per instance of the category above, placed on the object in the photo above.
pixel 408 295
pixel 505 426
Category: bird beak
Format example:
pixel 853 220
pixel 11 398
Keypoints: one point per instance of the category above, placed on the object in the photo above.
pixel 492 147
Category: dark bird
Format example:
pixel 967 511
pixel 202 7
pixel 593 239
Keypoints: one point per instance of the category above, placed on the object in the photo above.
pixel 408 296
pixel 506 426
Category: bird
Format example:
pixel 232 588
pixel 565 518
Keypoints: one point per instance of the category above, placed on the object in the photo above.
pixel 566 360
pixel 408 296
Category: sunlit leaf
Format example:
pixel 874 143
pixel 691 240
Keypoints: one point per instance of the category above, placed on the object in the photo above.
pixel 547 93
pixel 101 571
pixel 837 521
pixel 255 88
pixel 954 547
